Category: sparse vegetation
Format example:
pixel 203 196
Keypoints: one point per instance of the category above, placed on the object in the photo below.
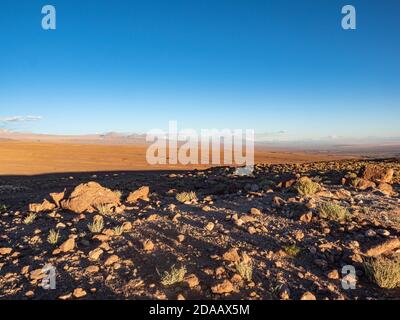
pixel 245 269
pixel 173 276
pixel 97 225
pixel 53 236
pixel 118 230
pixel 186 196
pixel 30 218
pixel 292 250
pixel 3 208
pixel 333 211
pixel 306 187
pixel 104 209
pixel 384 271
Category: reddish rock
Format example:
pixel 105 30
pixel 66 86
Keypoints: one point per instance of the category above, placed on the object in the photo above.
pixel 385 188
pixel 363 184
pixel 231 255
pixel 141 193
pixel 40 207
pixel 224 287
pixel 376 173
pixel 88 196
pixel 387 246
pixel 57 197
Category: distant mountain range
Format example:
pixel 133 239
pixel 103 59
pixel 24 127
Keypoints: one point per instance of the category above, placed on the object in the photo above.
pixel 368 146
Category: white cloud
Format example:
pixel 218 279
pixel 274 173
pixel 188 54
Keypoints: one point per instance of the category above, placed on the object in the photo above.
pixel 20 118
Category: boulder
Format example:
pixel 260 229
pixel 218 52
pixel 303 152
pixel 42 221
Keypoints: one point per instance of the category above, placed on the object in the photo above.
pixel 88 196
pixel 142 193
pixel 40 207
pixel 376 174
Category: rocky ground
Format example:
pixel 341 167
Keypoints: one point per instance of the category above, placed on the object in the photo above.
pixel 283 233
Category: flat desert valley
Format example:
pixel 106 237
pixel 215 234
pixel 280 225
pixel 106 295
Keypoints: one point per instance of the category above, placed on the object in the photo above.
pixel 113 227
pixel 36 157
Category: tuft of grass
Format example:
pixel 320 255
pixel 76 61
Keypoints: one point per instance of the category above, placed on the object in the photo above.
pixel 186 196
pixel 30 218
pixel 118 230
pixel 104 209
pixel 333 211
pixel 384 271
pixel 173 276
pixel 292 250
pixel 306 187
pixel 3 208
pixel 53 236
pixel 245 269
pixel 97 225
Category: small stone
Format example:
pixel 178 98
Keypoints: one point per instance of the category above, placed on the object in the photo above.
pixel 29 294
pixel 65 296
pixel 284 293
pixel 127 226
pixel 111 260
pixel 181 237
pixel 231 255
pixel 299 235
pixel 333 275
pixel 79 293
pixel 68 245
pixel 308 296
pixel 255 211
pixel 370 233
pixel 92 269
pixel 148 245
pixel 192 280
pixel 95 254
pixel 210 226
pixel 224 287
pixel 307 217
pixel 251 230
pixel 4 251
pixel 180 297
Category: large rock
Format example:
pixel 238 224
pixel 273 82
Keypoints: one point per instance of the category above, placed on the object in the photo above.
pixel 88 196
pixel 387 246
pixel 141 193
pixel 376 174
pixel 363 184
pixel 57 197
pixel 40 207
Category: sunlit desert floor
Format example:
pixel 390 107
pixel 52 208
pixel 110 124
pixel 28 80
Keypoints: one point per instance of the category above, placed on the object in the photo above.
pixel 29 158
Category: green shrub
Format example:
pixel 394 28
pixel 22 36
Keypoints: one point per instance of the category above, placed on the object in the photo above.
pixel 97 225
pixel 245 269
pixel 173 276
pixel 333 212
pixel 53 236
pixel 186 196
pixel 30 218
pixel 306 187
pixel 292 250
pixel 384 271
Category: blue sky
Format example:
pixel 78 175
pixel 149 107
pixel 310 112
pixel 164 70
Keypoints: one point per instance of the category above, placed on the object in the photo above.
pixel 130 66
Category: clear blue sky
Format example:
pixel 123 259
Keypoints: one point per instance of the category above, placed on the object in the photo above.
pixel 130 66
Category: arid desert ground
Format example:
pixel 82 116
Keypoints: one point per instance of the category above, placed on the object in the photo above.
pixel 113 228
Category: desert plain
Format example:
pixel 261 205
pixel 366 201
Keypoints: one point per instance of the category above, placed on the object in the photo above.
pixel 114 228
